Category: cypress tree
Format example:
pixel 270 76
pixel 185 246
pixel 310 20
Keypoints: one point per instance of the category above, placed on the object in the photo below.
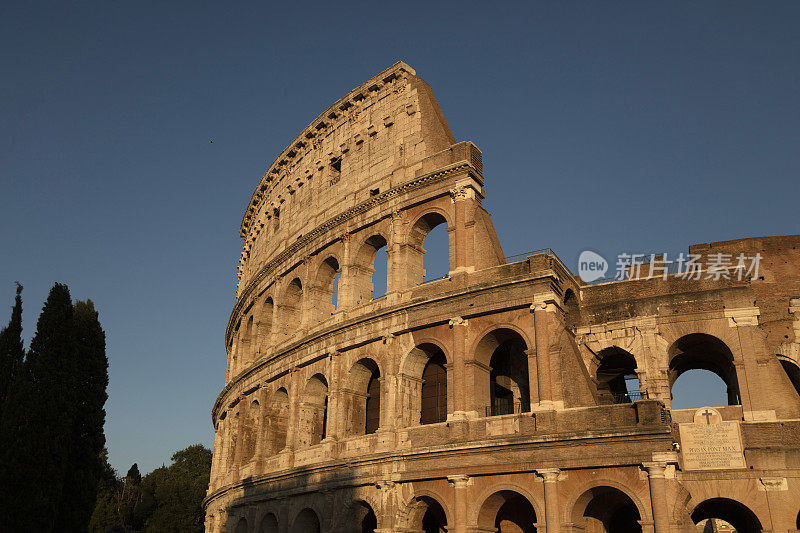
pixel 12 353
pixel 37 422
pixel 87 440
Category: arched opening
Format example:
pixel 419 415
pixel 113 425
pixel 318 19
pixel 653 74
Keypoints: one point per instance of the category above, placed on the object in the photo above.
pixel 248 346
pixel 508 512
pixel 269 524
pixel 433 396
pixel 423 386
pixel 606 510
pixel 502 375
pixel 306 522
pixel 292 307
pixel 572 311
pixel 241 526
pixel 616 378
pixel 364 519
pixel 699 351
pixel 509 385
pixel 429 516
pixel 369 272
pixel 731 511
pixel 362 398
pixel 265 324
pixel 429 253
pixel 277 422
pixel 250 430
pixel 327 286
pixel 313 412
pixel 792 372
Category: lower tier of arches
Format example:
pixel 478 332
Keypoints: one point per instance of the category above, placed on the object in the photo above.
pixel 620 499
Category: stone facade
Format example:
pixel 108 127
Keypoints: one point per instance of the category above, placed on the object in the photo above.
pixel 492 399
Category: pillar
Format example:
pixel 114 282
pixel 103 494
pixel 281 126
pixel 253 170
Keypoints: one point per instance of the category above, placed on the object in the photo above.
pixel 460 483
pixel 551 505
pixel 463 196
pixel 459 328
pixel 541 326
pixel 658 495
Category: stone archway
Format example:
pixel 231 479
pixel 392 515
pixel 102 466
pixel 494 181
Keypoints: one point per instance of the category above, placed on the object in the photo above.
pixel 605 509
pixel 508 512
pixel 731 511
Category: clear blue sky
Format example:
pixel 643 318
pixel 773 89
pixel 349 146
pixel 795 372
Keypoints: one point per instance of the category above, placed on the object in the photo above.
pixel 638 127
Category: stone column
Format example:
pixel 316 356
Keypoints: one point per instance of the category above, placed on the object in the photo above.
pixel 551 506
pixel 533 378
pixel 394 281
pixel 459 328
pixel 345 292
pixel 463 195
pixel 460 483
pixel 541 325
pixel 658 495
pixel 294 414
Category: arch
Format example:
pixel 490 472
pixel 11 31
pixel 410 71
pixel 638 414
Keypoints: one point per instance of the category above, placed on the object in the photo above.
pixel 241 526
pixel 735 513
pixel 362 398
pixel 428 514
pixel 616 378
pixel 306 521
pixel 269 524
pixel 507 511
pixel 326 288
pixel 313 416
pixel 249 431
pixel 362 517
pixel 700 351
pixel 572 310
pixel 277 421
pixel 792 372
pixel 424 385
pixel 292 307
pixel 606 509
pixel 422 227
pixel 508 383
pixel 364 285
pixel 265 324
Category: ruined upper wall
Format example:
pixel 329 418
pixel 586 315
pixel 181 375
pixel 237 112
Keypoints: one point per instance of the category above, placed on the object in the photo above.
pixel 373 139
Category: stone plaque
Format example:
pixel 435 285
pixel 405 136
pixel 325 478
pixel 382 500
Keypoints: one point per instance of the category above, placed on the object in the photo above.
pixel 711 443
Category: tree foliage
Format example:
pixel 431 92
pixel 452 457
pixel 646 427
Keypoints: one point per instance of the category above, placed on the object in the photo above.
pixel 12 353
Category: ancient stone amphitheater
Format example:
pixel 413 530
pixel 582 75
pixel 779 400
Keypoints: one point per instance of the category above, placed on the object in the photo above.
pixel 495 398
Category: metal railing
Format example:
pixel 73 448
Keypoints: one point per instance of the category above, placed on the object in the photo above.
pixel 501 407
pixel 521 257
pixel 627 397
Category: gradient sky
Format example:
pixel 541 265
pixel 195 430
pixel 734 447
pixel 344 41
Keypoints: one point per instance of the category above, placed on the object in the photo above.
pixel 635 127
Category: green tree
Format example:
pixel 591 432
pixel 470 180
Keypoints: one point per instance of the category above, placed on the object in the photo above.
pixel 12 353
pixel 105 514
pixel 37 422
pixel 172 496
pixel 130 497
pixel 87 439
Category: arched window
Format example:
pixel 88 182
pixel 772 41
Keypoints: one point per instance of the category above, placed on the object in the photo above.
pixel 269 524
pixel 428 516
pixel 503 384
pixel 250 430
pixel 507 510
pixel 700 352
pixel 364 519
pixel 292 307
pixel 326 289
pixel 792 372
pixel 313 412
pixel 362 398
pixel 617 381
pixel 241 526
pixel 434 390
pixel 731 511
pixel 265 325
pixel 429 253
pixel 277 422
pixel 306 522
pixel 606 509
pixel 369 272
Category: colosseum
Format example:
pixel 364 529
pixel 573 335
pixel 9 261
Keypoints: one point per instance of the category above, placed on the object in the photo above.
pixel 497 397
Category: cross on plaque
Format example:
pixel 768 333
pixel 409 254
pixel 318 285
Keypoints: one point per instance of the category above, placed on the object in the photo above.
pixel 708 414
